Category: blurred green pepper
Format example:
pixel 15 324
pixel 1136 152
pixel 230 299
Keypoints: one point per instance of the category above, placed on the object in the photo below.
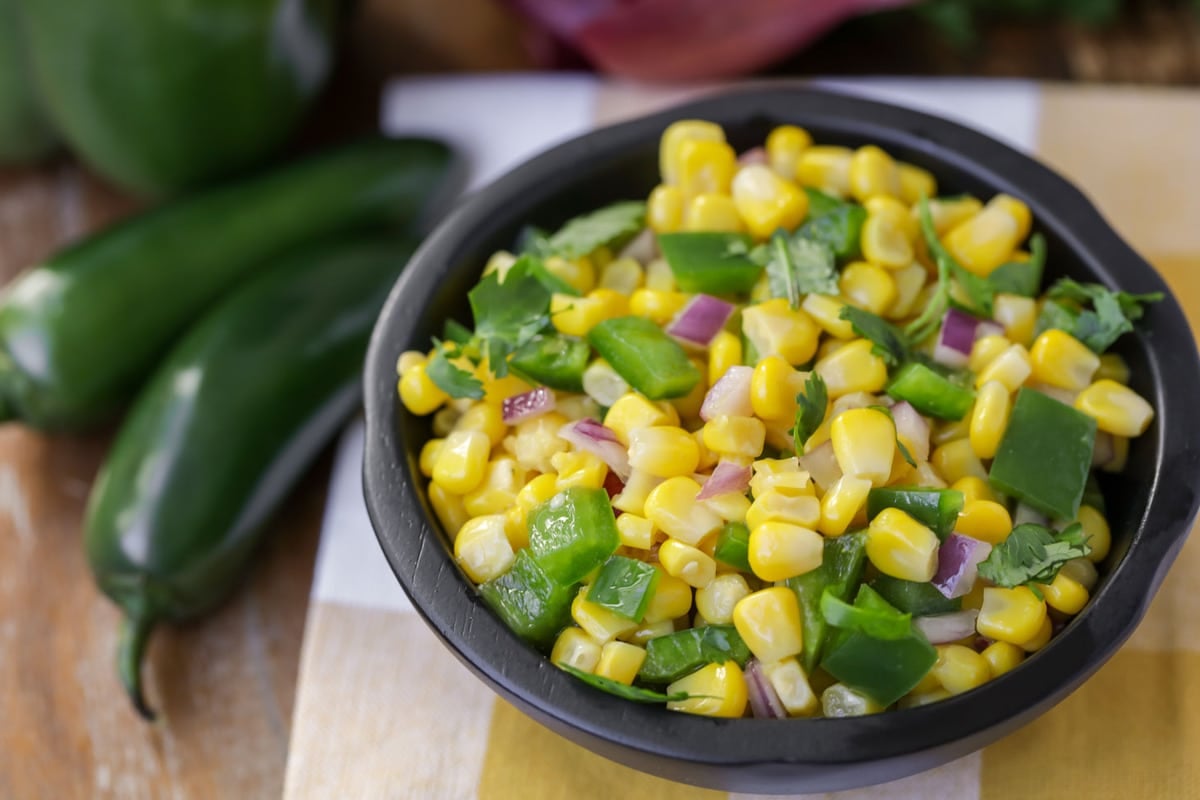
pixel 25 133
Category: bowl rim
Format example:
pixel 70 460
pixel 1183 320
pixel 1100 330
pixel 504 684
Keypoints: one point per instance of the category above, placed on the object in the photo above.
pixel 957 725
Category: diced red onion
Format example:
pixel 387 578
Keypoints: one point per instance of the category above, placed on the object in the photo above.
pixel 527 405
pixel 727 478
pixel 642 248
pixel 764 701
pixel 755 155
pixel 988 328
pixel 592 437
pixel 945 628
pixel 955 339
pixel 730 395
pixel 958 564
pixel 700 320
pixel 912 427
pixel 822 465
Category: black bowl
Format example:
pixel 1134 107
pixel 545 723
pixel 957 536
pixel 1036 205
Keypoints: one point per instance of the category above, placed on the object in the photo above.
pixel 1150 507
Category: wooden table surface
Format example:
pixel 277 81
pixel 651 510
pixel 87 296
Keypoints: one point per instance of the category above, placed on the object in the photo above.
pixel 226 684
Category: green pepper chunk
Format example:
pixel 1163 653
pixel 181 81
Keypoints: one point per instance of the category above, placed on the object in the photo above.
pixel 834 223
pixel 733 546
pixel 552 360
pixel 1045 455
pixel 883 669
pixel 572 533
pixel 648 359
pixel 841 570
pixel 931 393
pixel 708 262
pixel 530 602
pixel 879 620
pixel 670 657
pixel 918 599
pixel 936 509
pixel 624 586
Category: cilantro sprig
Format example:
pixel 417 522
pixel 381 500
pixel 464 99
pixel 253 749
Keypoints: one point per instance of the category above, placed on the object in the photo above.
pixel 890 343
pixel 1033 554
pixel 1111 315
pixel 624 691
pixel 978 293
pixel 795 265
pixel 588 232
pixel 810 410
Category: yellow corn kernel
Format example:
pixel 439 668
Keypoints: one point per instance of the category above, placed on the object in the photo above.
pixel 623 275
pixel 1018 315
pixel 776 506
pixel 482 549
pixel 839 700
pixel 575 316
pixel 632 412
pixel 1095 527
pixel 985 520
pixel 1120 455
pixel 1010 615
pixel 956 460
pixel 502 481
pixel 988 239
pixel 975 488
pixel 600 623
pixel 896 213
pixel 1011 368
pixel 985 350
pixel 515 528
pixel 864 443
pixel 1041 638
pixel 635 531
pixel 670 148
pixel 535 441
pixel 688 406
pixel 497 390
pixel 671 600
pixel 444 420
pixel 1059 359
pixel 664 209
pixel 715 690
pixel 782 475
pixel 620 661
pixel 712 213
pixel 538 490
pixel 1113 368
pixel 826 312
pixel 767 202
pixel 428 457
pixel 960 669
pixel 649 630
pixel 1065 594
pixel 1002 657
pixel 580 273
pixel 708 459
pixel 790 683
pixel 900 546
pixel 915 183
pixel 872 172
pixel 706 167
pixel 784 146
pixel 731 506
pixel 687 563
pixel 852 368
pixel 659 277
pixel 989 419
pixel 575 648
pixel 947 431
pixel 724 351
pixel 664 451
pixel 949 212
pixel 485 418
pixel 1117 409
pixel 741 437
pixel 775 328
pixel 915 699
pixel 409 359
pixel 419 394
pixel 449 509
pixel 673 509
pixel 826 167
pixel 769 623
pixel 909 281
pixel 886 244
pixel 1082 571
pixel 772 389
pixel 658 306
pixel 841 504
pixel 780 550
pixel 632 499
pixel 867 286
pixel 576 468
pixel 716 601
pixel 462 460
pixel 577 406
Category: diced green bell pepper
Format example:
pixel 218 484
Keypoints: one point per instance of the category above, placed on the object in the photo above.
pixel 1045 455
pixel 876 618
pixel 552 360
pixel 573 533
pixel 708 262
pixel 733 546
pixel 624 586
pixel 532 604
pixel 841 570
pixel 931 393
pixel 834 223
pixel 918 599
pixel 936 509
pixel 648 359
pixel 670 657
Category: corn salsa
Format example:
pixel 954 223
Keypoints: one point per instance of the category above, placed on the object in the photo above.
pixel 796 436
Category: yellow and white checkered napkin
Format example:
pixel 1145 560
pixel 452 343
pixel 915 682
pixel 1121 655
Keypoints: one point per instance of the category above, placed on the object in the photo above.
pixel 383 710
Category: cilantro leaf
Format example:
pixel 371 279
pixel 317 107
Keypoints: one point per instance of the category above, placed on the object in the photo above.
pixel 584 234
pixel 834 223
pixel 1033 554
pixel 798 266
pixel 890 343
pixel 455 331
pixel 508 313
pixel 1112 313
pixel 979 293
pixel 1022 277
pixel 451 379
pixel 810 410
pixel 634 693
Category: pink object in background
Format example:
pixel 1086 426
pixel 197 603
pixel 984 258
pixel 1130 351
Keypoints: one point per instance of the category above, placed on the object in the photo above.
pixel 676 40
